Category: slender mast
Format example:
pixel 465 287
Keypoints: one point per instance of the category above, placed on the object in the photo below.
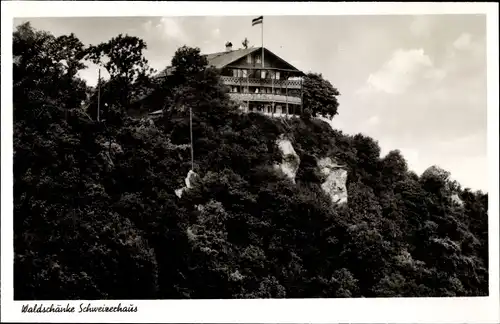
pixel 272 92
pixel 98 93
pixel 191 134
pixel 286 94
pixel 248 91
pixel 265 72
pixel 301 95
pixel 262 38
pixel 262 48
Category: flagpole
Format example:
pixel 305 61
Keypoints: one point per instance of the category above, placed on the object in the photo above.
pixel 262 38
pixel 272 94
pixel 286 94
pixel 98 93
pixel 191 135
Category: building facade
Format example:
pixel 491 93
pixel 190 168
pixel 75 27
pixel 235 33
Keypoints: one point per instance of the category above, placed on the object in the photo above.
pixel 260 81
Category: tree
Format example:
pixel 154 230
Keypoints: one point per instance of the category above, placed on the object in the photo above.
pixel 96 216
pixel 436 180
pixel 123 58
pixel 187 63
pixel 319 96
pixel 195 85
pixel 45 66
pixel 394 168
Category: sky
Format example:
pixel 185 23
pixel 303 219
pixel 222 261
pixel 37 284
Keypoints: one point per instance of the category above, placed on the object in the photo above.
pixel 413 83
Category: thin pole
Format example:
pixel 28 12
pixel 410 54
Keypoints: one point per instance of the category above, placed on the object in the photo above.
pixel 248 91
pixel 98 93
pixel 286 95
pixel 191 134
pixel 262 38
pixel 301 95
pixel 263 59
pixel 272 95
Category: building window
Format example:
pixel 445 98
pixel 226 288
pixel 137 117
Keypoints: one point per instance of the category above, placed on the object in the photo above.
pixel 256 90
pixel 269 90
pixel 262 74
pixel 277 75
pixel 235 89
pixel 249 59
pixel 235 73
pixel 258 59
pixel 245 90
pixel 245 73
pixel 278 91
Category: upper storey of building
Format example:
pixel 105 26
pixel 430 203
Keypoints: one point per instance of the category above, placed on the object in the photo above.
pixel 252 59
pixel 253 62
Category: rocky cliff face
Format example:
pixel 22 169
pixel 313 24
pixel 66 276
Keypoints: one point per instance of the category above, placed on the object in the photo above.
pixel 456 199
pixel 335 174
pixel 336 178
pixel 291 161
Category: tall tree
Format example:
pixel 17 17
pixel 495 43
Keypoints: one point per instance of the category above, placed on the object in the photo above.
pixel 195 84
pixel 48 65
pixel 123 58
pixel 320 97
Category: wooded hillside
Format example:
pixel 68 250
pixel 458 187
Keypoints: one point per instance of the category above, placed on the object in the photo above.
pixel 96 215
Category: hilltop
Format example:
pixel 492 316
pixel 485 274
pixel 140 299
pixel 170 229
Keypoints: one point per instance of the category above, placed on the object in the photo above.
pixel 274 209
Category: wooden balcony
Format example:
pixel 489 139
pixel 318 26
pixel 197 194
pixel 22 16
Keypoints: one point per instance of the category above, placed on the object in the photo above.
pixel 253 82
pixel 264 97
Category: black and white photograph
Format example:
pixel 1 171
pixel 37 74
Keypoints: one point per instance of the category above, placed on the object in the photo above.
pixel 247 157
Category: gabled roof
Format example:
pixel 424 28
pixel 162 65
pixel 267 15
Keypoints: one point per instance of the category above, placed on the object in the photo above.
pixel 222 59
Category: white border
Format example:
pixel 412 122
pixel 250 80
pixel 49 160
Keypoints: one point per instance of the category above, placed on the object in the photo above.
pixel 401 310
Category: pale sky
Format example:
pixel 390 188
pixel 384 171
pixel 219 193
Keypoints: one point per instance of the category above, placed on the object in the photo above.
pixel 414 83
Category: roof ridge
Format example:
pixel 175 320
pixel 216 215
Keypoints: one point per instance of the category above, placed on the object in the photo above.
pixel 220 59
pixel 232 51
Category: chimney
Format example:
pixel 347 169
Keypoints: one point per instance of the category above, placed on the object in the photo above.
pixel 229 47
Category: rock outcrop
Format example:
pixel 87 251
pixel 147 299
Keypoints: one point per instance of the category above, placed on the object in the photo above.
pixel 336 178
pixel 291 161
pixel 456 199
pixel 191 176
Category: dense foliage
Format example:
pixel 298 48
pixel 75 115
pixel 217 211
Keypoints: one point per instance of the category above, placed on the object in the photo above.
pixel 320 97
pixel 96 216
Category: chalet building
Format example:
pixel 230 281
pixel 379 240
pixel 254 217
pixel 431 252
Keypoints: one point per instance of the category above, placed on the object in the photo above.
pixel 259 80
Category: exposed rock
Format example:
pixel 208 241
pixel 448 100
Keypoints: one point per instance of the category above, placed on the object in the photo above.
pixel 191 176
pixel 336 178
pixel 455 198
pixel 291 160
pixel 179 192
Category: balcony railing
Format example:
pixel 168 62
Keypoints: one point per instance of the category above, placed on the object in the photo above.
pixel 253 82
pixel 264 97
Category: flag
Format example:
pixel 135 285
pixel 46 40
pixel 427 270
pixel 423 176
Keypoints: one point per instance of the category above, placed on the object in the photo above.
pixel 257 20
